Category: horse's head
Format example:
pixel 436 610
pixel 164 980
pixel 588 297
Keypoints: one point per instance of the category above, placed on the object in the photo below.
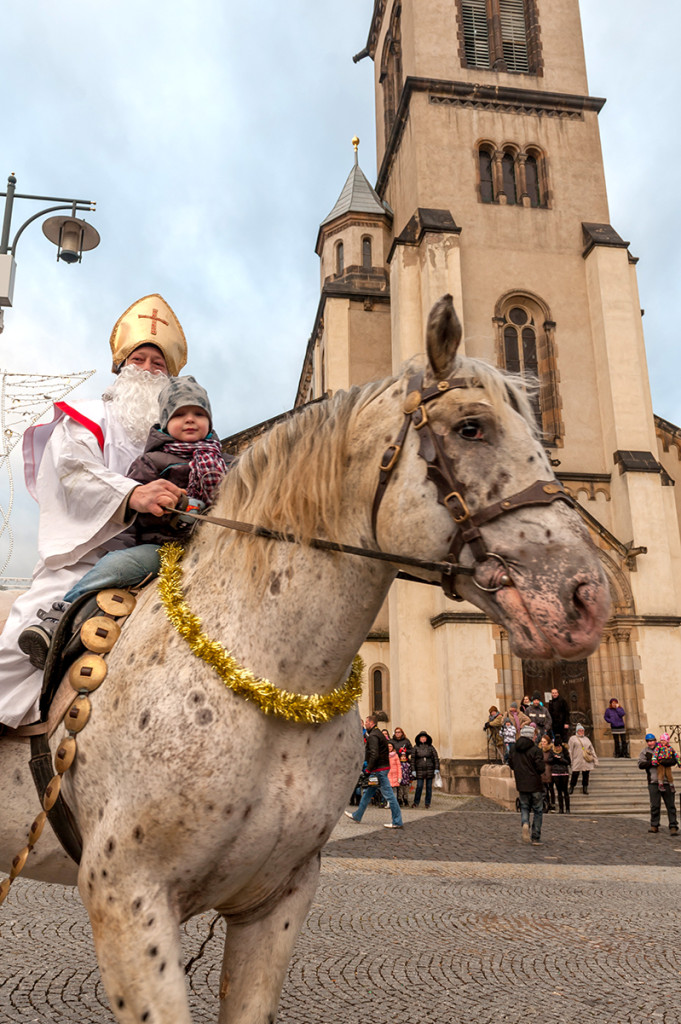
pixel 471 482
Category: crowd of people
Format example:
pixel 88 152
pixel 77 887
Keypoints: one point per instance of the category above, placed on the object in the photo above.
pixel 546 768
pixel 391 764
pixel 545 760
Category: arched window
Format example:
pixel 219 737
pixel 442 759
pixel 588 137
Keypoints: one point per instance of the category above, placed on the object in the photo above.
pixel 520 350
pixel 340 259
pixel 366 253
pixel 378 684
pixel 532 180
pixel 377 689
pixel 513 34
pixel 486 176
pixel 391 71
pixel 526 346
pixel 508 178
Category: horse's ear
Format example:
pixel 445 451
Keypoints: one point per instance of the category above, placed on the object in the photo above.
pixel 443 335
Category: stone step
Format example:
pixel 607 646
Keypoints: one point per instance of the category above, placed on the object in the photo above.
pixel 616 786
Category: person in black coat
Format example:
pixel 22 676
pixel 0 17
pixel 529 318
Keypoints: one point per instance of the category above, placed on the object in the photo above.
pixel 401 742
pixel 527 763
pixel 560 716
pixel 425 762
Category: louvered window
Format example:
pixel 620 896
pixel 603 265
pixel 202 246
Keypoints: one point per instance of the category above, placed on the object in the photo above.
pixel 514 34
pixel 476 33
pixel 495 35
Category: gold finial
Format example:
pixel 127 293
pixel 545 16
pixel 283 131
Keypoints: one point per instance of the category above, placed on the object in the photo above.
pixel 355 143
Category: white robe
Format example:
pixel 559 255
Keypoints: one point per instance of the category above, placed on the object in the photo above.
pixel 82 491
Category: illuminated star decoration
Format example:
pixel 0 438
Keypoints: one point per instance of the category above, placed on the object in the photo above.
pixel 24 399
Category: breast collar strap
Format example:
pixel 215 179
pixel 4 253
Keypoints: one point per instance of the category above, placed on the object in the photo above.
pixel 451 492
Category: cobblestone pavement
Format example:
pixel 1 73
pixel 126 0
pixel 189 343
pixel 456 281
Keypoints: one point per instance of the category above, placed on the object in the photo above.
pixel 451 920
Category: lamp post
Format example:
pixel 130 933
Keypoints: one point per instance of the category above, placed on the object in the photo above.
pixel 70 234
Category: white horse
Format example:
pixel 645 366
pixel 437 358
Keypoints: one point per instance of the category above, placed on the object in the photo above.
pixel 188 797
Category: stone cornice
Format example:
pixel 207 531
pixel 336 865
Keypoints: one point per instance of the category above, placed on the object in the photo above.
pixel 514 99
pixel 647 620
pixel 445 618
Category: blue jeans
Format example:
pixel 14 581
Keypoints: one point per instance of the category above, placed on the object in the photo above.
pixel 387 794
pixel 535 803
pixel 419 790
pixel 124 568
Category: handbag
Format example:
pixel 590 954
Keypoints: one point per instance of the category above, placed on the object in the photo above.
pixel 372 780
pixel 588 755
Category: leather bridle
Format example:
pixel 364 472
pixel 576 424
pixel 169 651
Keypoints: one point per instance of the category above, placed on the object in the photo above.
pixel 451 492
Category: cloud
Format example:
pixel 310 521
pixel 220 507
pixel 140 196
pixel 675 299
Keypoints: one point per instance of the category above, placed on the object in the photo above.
pixel 215 137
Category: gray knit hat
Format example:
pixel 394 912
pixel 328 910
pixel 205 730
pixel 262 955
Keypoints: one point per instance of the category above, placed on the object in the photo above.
pixel 181 391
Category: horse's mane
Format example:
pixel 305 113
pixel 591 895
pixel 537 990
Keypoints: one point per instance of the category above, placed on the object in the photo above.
pixel 290 478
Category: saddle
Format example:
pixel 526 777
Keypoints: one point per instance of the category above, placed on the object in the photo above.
pixel 88 625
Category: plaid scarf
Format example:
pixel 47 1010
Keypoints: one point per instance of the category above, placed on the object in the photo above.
pixel 206 466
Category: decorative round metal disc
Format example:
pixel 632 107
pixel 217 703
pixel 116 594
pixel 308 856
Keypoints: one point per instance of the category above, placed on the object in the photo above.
pixel 99 633
pixel 116 602
pixel 76 718
pixel 51 793
pixel 36 828
pixel 65 755
pixel 88 672
pixel 18 863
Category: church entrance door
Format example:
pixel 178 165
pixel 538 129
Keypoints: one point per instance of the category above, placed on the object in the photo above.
pixel 571 679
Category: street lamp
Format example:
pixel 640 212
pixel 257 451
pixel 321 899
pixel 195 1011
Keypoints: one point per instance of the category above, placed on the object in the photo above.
pixel 70 234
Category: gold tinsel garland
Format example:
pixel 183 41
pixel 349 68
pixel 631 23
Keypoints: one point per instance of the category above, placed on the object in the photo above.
pixel 294 707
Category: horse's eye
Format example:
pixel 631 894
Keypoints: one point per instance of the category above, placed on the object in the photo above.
pixel 470 430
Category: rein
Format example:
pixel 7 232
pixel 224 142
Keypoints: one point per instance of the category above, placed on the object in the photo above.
pixel 329 545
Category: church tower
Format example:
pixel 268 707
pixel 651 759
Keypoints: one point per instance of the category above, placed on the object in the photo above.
pixel 491 187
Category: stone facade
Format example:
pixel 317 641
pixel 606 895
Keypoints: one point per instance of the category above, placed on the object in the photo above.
pixel 491 187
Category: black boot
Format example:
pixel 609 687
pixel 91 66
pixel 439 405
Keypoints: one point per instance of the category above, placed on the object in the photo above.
pixel 35 640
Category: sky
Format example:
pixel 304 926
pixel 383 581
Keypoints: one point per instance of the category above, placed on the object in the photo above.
pixel 215 137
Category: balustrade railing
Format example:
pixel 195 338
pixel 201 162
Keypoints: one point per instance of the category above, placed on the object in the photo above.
pixel 674 735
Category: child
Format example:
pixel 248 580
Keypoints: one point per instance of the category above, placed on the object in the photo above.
pixel 664 758
pixel 405 778
pixel 395 771
pixel 559 759
pixel 183 449
pixel 508 735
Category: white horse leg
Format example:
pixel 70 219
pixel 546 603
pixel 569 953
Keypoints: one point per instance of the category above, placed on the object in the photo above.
pixel 257 955
pixel 137 943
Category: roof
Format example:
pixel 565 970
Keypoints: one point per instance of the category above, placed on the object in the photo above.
pixel 357 196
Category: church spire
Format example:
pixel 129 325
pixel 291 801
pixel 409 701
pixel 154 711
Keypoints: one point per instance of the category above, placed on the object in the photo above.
pixel 357 195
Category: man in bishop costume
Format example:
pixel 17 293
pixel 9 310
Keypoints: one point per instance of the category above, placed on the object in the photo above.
pixel 75 467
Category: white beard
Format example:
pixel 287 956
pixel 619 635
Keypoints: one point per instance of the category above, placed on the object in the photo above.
pixel 134 396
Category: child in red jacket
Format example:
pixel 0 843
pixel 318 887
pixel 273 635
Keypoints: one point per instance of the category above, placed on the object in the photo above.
pixel 395 770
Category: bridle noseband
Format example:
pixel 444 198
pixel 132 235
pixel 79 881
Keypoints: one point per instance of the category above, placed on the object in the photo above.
pixel 451 491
